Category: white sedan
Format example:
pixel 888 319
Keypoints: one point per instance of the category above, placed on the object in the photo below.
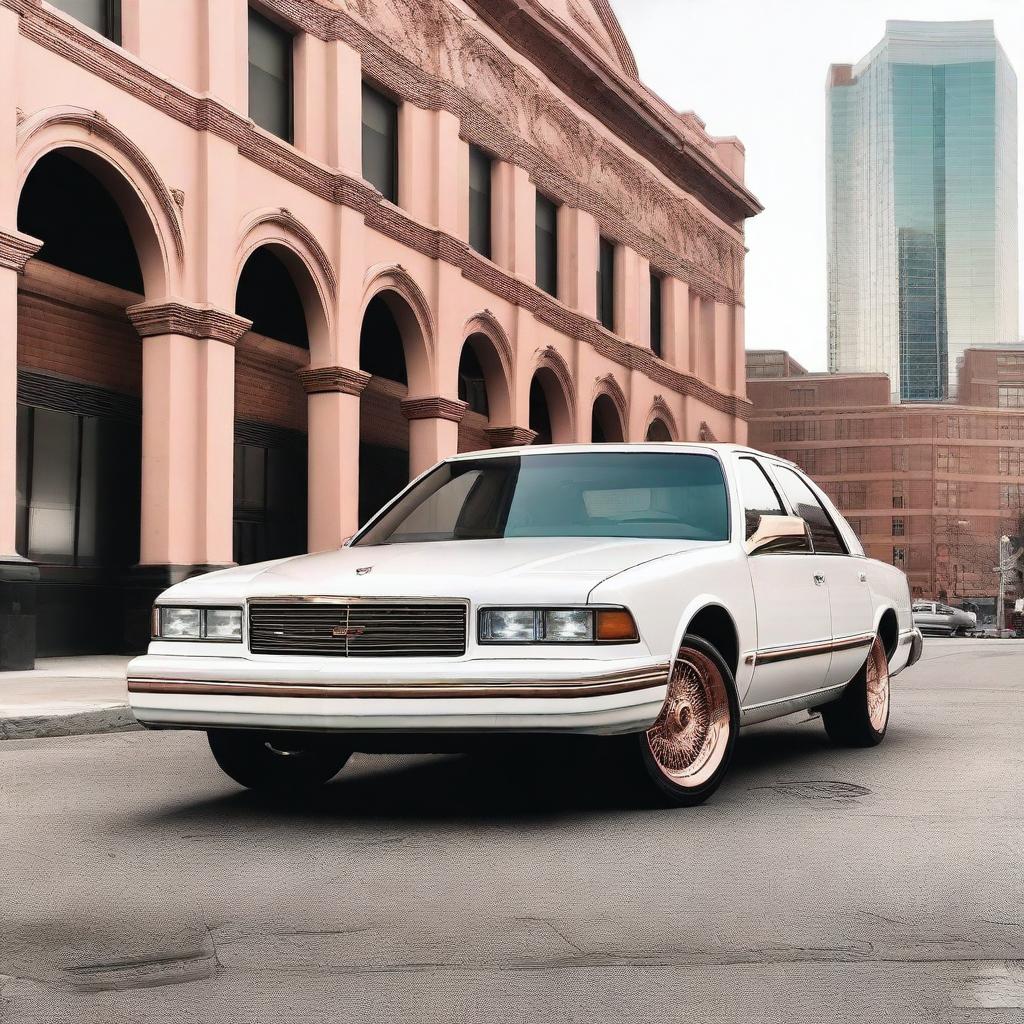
pixel 664 593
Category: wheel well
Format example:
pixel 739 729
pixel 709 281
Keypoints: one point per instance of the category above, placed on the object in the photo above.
pixel 715 625
pixel 889 631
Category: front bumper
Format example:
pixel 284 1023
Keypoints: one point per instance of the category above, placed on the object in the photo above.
pixel 528 695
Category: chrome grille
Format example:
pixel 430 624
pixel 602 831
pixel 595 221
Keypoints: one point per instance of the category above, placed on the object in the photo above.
pixel 369 629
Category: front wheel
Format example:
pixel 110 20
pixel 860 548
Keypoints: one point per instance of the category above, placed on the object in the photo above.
pixel 277 762
pixel 688 749
pixel 860 717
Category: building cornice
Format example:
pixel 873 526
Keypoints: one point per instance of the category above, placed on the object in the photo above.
pixel 434 407
pixel 198 320
pixel 623 107
pixel 338 379
pixel 17 249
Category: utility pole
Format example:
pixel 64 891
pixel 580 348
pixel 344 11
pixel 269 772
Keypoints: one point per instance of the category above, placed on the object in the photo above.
pixel 1004 565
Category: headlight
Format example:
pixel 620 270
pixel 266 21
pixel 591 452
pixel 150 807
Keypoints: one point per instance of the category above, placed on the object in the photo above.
pixel 172 623
pixel 556 626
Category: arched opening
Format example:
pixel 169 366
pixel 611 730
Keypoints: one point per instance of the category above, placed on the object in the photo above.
pixel 658 430
pixel 605 425
pixel 383 429
pixel 550 413
pixel 79 433
pixel 271 448
pixel 483 386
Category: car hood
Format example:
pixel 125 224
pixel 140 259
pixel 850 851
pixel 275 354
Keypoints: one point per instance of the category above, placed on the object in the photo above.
pixel 555 569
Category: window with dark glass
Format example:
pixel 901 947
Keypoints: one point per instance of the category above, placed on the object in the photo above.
pixel 805 504
pixel 380 142
pixel 547 245
pixel 656 315
pixel 606 283
pixel 480 201
pixel 103 16
pixel 270 75
pixel 71 471
pixel 472 384
pixel 759 496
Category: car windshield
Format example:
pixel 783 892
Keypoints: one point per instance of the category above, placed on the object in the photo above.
pixel 640 494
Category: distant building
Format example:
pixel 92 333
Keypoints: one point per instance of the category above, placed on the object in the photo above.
pixel 929 487
pixel 922 205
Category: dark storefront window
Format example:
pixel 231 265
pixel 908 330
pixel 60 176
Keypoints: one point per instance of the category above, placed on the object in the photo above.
pixel 656 315
pixel 380 143
pixel 71 470
pixel 103 16
pixel 547 245
pixel 480 201
pixel 270 76
pixel 270 499
pixel 606 283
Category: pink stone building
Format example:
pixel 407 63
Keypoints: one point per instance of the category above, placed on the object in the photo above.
pixel 261 262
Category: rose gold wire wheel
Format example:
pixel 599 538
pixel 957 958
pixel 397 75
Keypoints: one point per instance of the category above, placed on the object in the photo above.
pixel 691 735
pixel 878 686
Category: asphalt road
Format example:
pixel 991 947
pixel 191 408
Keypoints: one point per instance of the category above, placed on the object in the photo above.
pixel 139 884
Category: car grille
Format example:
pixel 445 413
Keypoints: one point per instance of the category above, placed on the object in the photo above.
pixel 368 629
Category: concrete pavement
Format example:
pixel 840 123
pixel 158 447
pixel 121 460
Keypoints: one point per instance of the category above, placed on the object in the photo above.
pixel 819 884
pixel 65 697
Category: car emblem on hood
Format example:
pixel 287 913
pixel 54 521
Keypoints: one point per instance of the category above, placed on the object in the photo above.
pixel 363 570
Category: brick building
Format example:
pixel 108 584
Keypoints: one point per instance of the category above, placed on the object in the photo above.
pixel 260 262
pixel 928 487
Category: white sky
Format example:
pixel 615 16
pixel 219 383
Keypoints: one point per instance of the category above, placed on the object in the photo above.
pixel 756 69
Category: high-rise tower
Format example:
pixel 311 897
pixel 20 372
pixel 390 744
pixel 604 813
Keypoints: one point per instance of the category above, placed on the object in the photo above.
pixel 922 204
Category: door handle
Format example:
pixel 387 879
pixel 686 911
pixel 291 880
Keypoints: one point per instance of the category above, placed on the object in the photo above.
pixel 819 579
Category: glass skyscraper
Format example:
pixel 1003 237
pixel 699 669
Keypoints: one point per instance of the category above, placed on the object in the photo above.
pixel 922 205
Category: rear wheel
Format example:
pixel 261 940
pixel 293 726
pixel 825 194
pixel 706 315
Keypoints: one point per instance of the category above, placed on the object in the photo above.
pixel 860 717
pixel 277 762
pixel 688 749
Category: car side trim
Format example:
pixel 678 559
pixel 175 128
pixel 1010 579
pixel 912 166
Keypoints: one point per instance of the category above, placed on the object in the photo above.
pixel 592 686
pixel 770 655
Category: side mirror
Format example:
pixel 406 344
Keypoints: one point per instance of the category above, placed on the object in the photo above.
pixel 778 533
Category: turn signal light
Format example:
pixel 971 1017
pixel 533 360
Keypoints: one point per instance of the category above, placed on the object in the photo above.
pixel 615 624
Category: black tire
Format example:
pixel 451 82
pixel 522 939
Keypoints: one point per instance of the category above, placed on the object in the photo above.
pixel 698 713
pixel 860 717
pixel 277 762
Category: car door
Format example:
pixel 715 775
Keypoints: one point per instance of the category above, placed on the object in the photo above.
pixel 793 621
pixel 845 578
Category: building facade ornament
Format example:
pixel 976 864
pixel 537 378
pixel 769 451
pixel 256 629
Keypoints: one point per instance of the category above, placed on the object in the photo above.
pixel 197 320
pixel 16 249
pixel 435 407
pixel 510 437
pixel 325 379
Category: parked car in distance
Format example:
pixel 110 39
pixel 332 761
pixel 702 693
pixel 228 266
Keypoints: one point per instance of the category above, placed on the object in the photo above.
pixel 663 593
pixel 943 620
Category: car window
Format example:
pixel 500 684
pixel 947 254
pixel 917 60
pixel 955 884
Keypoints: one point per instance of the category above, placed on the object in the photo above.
pixel 758 495
pixel 805 504
pixel 647 495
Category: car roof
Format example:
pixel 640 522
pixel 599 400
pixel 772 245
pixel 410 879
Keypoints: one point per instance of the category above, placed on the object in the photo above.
pixel 716 448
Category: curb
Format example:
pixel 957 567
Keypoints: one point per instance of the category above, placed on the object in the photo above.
pixel 49 722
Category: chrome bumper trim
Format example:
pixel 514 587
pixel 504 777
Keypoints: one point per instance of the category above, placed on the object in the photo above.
pixel 589 686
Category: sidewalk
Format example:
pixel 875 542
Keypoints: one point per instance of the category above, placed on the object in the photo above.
pixel 65 697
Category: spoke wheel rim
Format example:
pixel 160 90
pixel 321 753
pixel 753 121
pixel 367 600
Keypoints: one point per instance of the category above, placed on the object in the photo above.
pixel 691 735
pixel 878 686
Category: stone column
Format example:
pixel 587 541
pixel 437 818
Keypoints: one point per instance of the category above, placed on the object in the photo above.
pixel 188 416
pixel 333 415
pixel 18 576
pixel 433 430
